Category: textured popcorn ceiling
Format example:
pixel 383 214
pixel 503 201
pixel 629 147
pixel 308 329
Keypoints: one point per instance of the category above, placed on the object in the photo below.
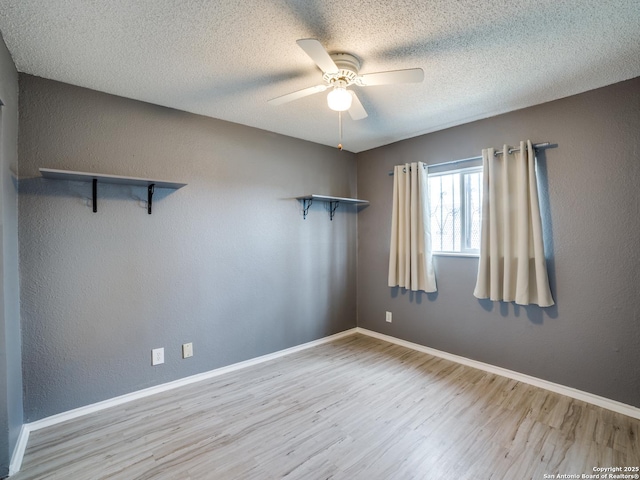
pixel 226 58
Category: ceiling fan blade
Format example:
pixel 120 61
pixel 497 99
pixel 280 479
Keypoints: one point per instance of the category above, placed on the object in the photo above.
pixel 411 75
pixel 357 111
pixel 318 54
pixel 289 97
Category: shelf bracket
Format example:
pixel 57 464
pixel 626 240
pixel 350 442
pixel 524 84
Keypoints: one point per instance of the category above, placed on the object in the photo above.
pixel 150 190
pixel 306 203
pixel 332 208
pixel 95 195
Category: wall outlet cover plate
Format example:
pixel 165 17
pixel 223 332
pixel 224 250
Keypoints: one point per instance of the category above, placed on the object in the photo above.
pixel 157 356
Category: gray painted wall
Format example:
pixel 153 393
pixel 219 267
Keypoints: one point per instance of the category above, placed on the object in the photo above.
pixel 590 339
pixel 10 351
pixel 227 262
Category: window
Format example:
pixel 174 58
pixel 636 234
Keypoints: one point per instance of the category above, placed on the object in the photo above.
pixel 456 207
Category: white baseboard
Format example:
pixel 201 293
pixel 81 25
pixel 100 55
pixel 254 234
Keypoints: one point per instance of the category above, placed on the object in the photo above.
pixel 18 451
pixel 27 428
pixel 603 402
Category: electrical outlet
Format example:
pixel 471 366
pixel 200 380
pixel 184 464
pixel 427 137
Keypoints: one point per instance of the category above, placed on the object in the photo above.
pixel 187 350
pixel 388 317
pixel 157 356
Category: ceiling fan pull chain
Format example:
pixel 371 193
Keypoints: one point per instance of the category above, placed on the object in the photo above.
pixel 340 130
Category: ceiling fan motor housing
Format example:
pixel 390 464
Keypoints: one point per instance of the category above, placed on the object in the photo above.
pixel 348 67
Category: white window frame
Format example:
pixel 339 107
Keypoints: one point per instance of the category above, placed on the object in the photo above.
pixel 465 250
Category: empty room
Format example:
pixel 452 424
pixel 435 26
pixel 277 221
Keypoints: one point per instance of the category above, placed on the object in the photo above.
pixel 309 239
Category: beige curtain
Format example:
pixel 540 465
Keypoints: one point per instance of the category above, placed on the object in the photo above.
pixel 410 261
pixel 512 265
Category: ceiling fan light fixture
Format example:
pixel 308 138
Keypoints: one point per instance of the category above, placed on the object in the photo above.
pixel 339 99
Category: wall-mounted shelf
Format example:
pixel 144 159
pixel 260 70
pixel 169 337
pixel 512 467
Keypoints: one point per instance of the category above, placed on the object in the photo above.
pixel 94 178
pixel 333 202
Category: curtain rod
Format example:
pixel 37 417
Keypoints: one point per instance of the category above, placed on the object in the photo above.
pixel 479 157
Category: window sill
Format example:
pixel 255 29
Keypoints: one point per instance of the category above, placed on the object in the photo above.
pixel 456 254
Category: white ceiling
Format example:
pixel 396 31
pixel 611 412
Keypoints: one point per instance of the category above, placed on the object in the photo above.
pixel 226 58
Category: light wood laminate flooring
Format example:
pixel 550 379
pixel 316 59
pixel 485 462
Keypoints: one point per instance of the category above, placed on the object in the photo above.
pixel 355 408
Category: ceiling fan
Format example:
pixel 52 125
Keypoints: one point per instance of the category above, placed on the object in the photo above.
pixel 341 70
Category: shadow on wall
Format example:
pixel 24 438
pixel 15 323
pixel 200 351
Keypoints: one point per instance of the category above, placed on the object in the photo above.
pixel 535 314
pixel 82 191
pixel 413 296
pixel 547 224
